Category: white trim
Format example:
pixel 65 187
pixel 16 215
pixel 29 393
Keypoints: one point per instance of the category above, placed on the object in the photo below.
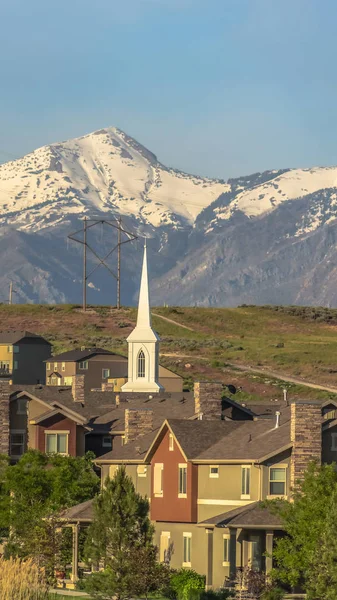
pixel 182 495
pixel 57 431
pixel 209 502
pixel 171 442
pixel 187 564
pixel 187 534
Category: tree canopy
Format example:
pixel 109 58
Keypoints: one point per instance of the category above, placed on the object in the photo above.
pixel 307 555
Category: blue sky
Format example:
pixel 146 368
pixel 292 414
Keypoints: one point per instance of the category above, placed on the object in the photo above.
pixel 215 87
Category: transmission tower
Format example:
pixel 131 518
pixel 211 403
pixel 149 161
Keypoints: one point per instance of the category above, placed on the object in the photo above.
pixel 88 224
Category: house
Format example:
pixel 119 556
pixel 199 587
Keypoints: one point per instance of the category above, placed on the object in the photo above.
pixel 207 478
pixel 102 369
pixel 21 356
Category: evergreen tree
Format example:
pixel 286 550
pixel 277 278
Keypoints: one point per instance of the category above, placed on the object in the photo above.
pixel 121 532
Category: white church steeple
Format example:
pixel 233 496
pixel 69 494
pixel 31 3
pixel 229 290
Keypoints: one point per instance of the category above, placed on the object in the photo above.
pixel 143 344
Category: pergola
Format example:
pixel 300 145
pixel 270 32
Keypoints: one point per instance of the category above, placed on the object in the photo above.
pixel 75 517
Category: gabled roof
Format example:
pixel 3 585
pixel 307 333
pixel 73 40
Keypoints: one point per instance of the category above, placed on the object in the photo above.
pixel 254 516
pixel 76 355
pixel 13 337
pixel 58 411
pixel 82 513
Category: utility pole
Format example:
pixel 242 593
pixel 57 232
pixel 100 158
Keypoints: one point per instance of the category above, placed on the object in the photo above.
pixel 85 264
pixel 119 262
pixel 10 301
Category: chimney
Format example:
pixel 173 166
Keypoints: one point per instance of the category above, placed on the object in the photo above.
pixel 138 422
pixel 207 399
pixel 4 415
pixel 306 437
pixel 77 388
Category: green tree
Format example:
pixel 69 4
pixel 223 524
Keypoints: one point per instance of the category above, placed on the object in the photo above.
pixel 32 493
pixel 308 523
pixel 121 529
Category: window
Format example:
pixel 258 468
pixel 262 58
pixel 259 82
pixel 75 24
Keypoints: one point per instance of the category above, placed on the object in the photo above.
pixel 334 442
pixel 112 471
pixel 158 480
pixel 214 471
pixel 245 482
pixel 17 443
pixel 83 365
pixel 105 373
pixel 164 547
pixel 277 481
pixel 107 441
pixel 48 366
pixel 10 349
pixel 21 406
pixel 171 442
pixel 68 380
pixel 141 364
pixel 122 440
pixel 63 366
pixel 187 537
pixel 55 366
pixel 4 365
pixel 16 365
pixel 16 349
pixel 142 470
pixel 182 490
pixel 225 557
pixel 56 442
pixel 254 553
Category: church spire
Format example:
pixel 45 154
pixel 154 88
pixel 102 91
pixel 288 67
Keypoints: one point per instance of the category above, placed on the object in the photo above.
pixel 144 313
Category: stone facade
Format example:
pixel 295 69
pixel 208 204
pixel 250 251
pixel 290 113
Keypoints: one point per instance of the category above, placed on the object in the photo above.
pixel 306 437
pixel 207 399
pixel 138 421
pixel 4 415
pixel 78 388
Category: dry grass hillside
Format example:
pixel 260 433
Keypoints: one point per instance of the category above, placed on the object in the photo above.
pixel 231 345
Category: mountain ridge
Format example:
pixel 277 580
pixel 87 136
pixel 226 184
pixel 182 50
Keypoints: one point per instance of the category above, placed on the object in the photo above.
pixel 265 237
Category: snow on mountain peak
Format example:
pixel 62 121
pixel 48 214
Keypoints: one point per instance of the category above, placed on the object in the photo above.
pixel 104 171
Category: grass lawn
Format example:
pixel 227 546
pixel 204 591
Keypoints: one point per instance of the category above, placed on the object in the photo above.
pixel 295 341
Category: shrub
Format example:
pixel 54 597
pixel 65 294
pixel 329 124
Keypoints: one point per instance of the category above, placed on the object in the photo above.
pixel 22 580
pixel 186 584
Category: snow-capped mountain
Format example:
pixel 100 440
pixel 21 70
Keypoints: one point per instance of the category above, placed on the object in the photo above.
pixel 268 237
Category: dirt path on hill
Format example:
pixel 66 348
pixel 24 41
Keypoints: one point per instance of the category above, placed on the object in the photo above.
pixel 274 374
pixel 173 322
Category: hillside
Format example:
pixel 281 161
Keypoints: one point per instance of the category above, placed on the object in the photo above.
pixel 219 344
pixel 264 238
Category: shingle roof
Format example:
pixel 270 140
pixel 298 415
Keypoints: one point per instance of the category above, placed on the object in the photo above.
pixel 81 512
pixel 255 515
pixel 12 337
pixel 75 355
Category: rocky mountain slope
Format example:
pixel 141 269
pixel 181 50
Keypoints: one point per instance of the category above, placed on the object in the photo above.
pixel 265 238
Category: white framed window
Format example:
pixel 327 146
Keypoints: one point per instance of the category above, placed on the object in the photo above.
pixel 16 349
pixel 10 349
pixel 21 406
pixel 182 481
pixel 225 546
pixel 214 471
pixel 48 366
pixel 187 542
pixel 56 442
pixel 68 380
pixel 17 442
pixel 105 373
pixel 55 366
pixel 277 480
pixel 164 546
pixel 171 442
pixel 142 470
pixel 83 365
pixel 334 442
pixel 107 441
pixel 158 480
pixel 245 482
pixel 63 366
pixel 141 364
